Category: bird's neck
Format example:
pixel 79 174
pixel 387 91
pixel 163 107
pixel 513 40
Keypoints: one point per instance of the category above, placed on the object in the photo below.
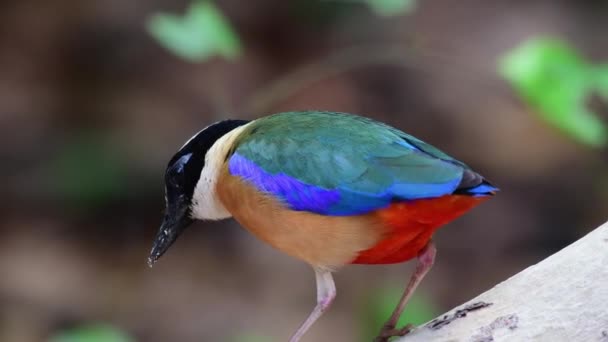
pixel 206 204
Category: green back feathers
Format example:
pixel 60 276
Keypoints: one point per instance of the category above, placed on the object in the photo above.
pixel 367 162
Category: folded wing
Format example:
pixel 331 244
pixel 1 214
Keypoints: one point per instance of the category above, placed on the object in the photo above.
pixel 339 164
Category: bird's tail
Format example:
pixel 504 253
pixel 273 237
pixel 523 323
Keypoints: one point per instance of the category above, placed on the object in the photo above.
pixel 473 184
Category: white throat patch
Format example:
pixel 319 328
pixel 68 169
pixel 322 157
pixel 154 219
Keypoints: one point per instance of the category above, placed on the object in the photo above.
pixel 205 202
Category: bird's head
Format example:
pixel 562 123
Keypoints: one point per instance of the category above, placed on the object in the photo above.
pixel 190 181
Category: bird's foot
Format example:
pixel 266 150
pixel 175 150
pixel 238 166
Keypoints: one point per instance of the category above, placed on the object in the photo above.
pixel 390 331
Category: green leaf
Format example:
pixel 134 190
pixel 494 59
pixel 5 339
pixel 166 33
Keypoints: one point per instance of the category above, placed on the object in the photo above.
pixel 601 80
pixel 557 83
pixel 203 32
pixel 92 333
pixel 381 304
pixel 389 8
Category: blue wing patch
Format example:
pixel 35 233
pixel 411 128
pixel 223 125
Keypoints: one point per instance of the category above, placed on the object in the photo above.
pixel 339 201
pixel 296 194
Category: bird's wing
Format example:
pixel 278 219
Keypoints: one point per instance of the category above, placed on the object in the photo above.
pixel 339 164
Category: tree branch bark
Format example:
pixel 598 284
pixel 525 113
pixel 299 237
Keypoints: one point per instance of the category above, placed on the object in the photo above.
pixel 562 298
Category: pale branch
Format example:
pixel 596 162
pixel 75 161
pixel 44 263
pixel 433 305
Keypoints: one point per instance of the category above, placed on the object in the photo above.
pixel 562 298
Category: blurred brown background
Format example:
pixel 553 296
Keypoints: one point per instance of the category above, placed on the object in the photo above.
pixel 91 109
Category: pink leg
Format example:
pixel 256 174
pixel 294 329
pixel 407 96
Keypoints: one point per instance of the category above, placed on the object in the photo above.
pixel 326 292
pixel 426 258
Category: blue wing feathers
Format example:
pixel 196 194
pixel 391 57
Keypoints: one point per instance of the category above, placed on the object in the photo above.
pixel 337 164
pixel 298 195
pixel 342 200
pixel 480 190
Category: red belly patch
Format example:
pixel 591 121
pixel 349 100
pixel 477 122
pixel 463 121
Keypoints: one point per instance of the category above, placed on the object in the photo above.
pixel 411 225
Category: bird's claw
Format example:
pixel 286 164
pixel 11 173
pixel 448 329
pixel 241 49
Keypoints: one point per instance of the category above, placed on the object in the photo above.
pixel 388 331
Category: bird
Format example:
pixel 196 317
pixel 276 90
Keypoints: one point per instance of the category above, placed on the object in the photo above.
pixel 330 189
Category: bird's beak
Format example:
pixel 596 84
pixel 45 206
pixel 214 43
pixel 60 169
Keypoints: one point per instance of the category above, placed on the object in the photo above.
pixel 175 221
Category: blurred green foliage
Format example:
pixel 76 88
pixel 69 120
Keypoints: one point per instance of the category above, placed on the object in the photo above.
pixel 92 333
pixel 87 172
pixel 601 75
pixel 388 8
pixel 204 32
pixel 558 83
pixel 381 304
pixel 201 33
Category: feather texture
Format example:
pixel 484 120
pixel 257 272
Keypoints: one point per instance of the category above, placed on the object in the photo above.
pixel 339 164
pixel 326 242
pixel 411 224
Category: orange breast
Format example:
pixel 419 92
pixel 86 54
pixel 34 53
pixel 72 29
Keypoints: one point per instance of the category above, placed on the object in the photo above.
pixel 411 225
pixel 325 242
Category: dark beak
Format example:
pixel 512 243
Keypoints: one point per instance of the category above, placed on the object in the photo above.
pixel 175 221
